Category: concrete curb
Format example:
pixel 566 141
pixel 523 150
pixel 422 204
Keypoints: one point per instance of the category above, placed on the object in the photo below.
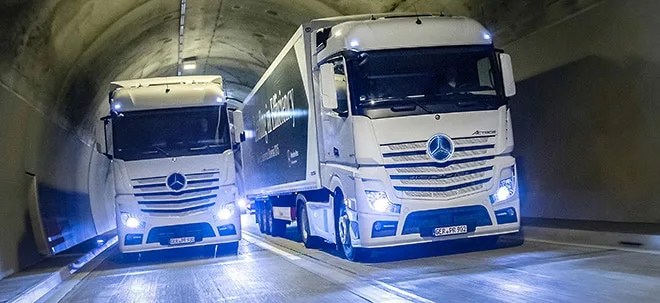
pixel 610 240
pixel 37 291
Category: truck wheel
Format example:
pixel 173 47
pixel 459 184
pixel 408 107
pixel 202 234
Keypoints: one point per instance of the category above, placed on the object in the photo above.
pixel 343 227
pixel 261 217
pixel 268 218
pixel 303 228
pixel 278 228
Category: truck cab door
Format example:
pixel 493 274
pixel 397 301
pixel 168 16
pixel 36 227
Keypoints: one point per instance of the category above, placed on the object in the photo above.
pixel 338 143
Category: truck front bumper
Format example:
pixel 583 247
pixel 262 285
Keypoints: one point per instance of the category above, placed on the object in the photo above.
pixel 418 219
pixel 155 232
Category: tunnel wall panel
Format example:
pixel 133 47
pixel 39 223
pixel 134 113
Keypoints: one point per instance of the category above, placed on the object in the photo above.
pixel 18 246
pixel 586 115
pixel 74 195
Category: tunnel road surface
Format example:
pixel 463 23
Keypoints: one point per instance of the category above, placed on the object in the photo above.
pixel 269 269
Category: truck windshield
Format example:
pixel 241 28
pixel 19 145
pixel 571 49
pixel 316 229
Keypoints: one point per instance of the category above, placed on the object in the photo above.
pixel 177 132
pixel 425 80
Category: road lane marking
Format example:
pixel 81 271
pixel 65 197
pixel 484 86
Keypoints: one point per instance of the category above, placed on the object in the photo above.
pixel 366 289
pixel 55 279
pixel 403 292
pixel 269 247
pixel 594 246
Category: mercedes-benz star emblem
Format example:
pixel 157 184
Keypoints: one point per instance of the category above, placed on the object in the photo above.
pixel 440 147
pixel 176 181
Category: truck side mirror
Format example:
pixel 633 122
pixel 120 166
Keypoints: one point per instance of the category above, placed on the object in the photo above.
pixel 507 75
pixel 328 93
pixel 239 128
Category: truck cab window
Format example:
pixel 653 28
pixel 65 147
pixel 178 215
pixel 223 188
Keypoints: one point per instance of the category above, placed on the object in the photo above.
pixel 341 86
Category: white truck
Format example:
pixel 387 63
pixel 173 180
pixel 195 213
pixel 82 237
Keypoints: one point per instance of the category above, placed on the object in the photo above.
pixel 170 143
pixel 383 130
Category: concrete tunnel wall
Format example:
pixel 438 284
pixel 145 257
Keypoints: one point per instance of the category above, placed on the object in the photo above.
pixel 58 56
pixel 586 115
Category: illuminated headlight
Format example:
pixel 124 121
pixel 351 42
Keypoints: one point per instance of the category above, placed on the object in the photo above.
pixel 379 202
pixel 226 211
pixel 242 202
pixel 507 186
pixel 129 220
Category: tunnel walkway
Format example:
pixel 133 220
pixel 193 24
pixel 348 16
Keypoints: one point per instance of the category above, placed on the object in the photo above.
pixel 271 269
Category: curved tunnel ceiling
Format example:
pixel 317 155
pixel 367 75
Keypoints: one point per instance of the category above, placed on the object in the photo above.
pixel 62 54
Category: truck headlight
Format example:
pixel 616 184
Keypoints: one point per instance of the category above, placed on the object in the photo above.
pixel 507 186
pixel 242 203
pixel 226 211
pixel 129 220
pixel 379 202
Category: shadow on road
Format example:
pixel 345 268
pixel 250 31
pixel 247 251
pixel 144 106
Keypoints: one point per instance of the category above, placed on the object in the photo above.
pixel 174 255
pixel 426 250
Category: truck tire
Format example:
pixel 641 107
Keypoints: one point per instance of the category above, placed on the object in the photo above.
pixel 261 216
pixel 303 228
pixel 278 228
pixel 356 254
pixel 268 218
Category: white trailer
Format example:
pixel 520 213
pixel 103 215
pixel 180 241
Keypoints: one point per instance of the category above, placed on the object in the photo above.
pixel 383 130
pixel 170 143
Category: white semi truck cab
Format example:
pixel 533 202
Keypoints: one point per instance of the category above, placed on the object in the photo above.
pixel 398 132
pixel 170 143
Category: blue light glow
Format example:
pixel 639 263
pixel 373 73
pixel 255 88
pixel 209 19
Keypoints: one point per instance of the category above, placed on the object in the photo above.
pixel 355 43
pixel 117 106
pixel 487 36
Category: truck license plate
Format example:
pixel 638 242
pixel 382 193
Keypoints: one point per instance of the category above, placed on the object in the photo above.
pixel 184 240
pixel 450 230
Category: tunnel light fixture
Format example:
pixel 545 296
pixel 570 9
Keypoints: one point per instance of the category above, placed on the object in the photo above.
pixel 189 65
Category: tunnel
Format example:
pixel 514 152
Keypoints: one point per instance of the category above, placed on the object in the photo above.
pixel 584 117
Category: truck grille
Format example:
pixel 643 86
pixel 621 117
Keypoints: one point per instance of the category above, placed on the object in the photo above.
pixel 423 222
pixel 415 174
pixel 156 199
pixel 163 234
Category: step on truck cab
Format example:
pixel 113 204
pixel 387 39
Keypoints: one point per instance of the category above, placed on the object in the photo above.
pixel 384 130
pixel 170 143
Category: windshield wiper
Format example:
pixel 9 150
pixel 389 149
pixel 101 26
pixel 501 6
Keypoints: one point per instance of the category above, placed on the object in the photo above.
pixel 204 147
pixel 160 149
pixel 404 100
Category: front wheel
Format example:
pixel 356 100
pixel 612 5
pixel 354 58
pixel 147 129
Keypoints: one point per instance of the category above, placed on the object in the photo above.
pixel 303 229
pixel 268 218
pixel 344 228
